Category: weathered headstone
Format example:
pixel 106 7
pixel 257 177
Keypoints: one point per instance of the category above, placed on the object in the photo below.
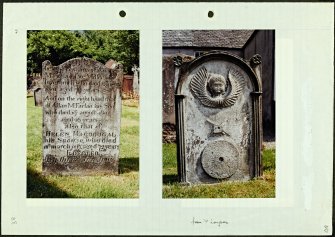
pixel 136 88
pixel 81 117
pixel 38 97
pixel 127 86
pixel 218 100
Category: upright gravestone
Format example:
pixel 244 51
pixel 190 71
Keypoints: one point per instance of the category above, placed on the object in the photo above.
pixel 38 97
pixel 218 108
pixel 81 117
pixel 136 88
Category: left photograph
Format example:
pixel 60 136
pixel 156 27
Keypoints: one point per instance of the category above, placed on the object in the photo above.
pixel 83 114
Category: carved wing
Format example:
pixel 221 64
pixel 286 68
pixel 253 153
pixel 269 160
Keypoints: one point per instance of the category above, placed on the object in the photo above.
pixel 198 87
pixel 236 88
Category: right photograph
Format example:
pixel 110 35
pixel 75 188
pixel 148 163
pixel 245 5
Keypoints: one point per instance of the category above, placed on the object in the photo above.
pixel 218 114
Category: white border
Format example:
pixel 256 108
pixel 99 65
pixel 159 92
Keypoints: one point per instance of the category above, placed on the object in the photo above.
pixel 304 103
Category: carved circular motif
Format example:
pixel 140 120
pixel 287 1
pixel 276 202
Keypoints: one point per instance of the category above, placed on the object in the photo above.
pixel 220 159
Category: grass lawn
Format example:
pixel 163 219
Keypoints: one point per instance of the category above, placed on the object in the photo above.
pixel 125 185
pixel 262 187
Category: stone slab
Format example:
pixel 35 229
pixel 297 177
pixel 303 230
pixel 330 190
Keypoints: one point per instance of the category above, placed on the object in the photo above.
pixel 217 120
pixel 38 99
pixel 136 88
pixel 81 117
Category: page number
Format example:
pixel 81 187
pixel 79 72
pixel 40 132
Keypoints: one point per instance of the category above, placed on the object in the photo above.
pixel 13 220
pixel 325 229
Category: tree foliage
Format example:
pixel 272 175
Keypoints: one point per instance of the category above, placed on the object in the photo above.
pixel 59 46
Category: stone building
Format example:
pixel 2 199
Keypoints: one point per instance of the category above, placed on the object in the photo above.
pixel 243 43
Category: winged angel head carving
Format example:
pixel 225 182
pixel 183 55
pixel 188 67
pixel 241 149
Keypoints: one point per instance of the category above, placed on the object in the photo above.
pixel 214 90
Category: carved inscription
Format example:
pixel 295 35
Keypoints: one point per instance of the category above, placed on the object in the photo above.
pixel 81 117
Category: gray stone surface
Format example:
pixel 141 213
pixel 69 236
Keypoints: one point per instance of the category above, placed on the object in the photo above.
pixel 81 117
pixel 218 159
pixel 216 121
pixel 136 88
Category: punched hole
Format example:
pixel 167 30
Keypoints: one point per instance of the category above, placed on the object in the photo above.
pixel 122 13
pixel 210 14
pixel 221 159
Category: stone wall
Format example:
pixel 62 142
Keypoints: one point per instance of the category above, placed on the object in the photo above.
pixel 168 90
pixel 169 85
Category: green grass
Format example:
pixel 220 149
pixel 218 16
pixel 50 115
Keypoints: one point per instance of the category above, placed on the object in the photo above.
pixel 262 187
pixel 124 185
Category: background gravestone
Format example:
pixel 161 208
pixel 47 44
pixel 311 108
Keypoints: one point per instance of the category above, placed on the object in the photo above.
pixel 127 86
pixel 218 103
pixel 38 97
pixel 81 117
pixel 112 64
pixel 136 88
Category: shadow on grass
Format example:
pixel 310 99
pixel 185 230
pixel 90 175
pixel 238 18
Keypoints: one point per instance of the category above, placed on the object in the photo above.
pixel 129 164
pixel 39 187
pixel 170 178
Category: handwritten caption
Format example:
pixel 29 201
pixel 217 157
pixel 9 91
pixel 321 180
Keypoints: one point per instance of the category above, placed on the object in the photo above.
pixel 210 221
